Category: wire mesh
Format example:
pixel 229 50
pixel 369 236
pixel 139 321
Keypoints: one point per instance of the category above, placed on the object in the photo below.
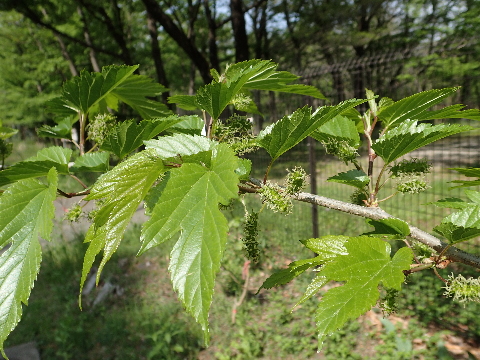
pixel 395 75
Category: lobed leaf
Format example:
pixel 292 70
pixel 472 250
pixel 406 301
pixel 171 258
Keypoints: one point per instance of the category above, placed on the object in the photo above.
pixel 290 130
pixel 367 264
pixel 313 288
pixel 410 136
pixel 136 90
pixel 353 177
pixel 169 147
pixel 454 233
pixel 327 247
pixel 340 128
pixel 38 165
pixel 122 188
pixel 127 136
pixel 294 269
pixel 94 162
pixel 26 212
pixel 389 228
pixel 188 202
pixel 83 92
pixel 413 107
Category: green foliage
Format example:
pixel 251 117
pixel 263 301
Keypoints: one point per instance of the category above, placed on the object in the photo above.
pixel 389 228
pixel 409 136
pixel 353 177
pixel 187 200
pixel 290 130
pixel 367 264
pixel 38 165
pixel 27 212
pixel 186 181
pixel 127 136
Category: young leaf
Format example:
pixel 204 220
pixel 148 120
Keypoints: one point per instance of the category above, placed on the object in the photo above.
pixel 410 136
pixel 327 247
pixel 26 212
pixel 188 202
pixel 454 233
pixel 185 102
pixel 63 130
pixel 451 203
pixel 95 162
pixel 190 125
pixel 469 172
pixel 135 92
pixel 169 147
pixel 268 79
pixel 413 107
pixel 122 188
pixel 367 264
pixel 294 269
pixel 314 287
pixel 6 132
pixel 83 92
pixel 38 165
pixel 128 135
pixel 290 130
pixel 340 128
pixel 353 177
pixel 389 228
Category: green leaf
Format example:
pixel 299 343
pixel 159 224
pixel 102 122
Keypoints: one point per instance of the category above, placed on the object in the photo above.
pixel 353 177
pixel 451 112
pixel 469 172
pixel 244 167
pixel 327 247
pixel 340 128
pixel 413 107
pixel 83 92
pixel 6 132
pixel 188 202
pixel 185 102
pixel 127 136
pixel 389 228
pixel 135 92
pixel 294 269
pixel 250 75
pixel 314 287
pixel 367 264
pixel 451 203
pixel 474 196
pixel 169 147
pixel 26 212
pixel 63 130
pixel 290 130
pixel 410 136
pixel 454 233
pixel 122 188
pixel 268 79
pixel 38 165
pixel 95 162
pixel 190 125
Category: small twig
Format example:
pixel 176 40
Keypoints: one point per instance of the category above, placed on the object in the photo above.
pixel 79 181
pixel 375 213
pixel 73 194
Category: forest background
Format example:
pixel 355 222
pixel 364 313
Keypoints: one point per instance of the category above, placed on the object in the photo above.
pixel 395 48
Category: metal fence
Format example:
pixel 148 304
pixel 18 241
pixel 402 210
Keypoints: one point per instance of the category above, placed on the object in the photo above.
pixel 395 75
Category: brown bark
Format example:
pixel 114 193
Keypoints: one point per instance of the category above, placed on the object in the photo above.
pixel 157 55
pixel 88 40
pixel 242 52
